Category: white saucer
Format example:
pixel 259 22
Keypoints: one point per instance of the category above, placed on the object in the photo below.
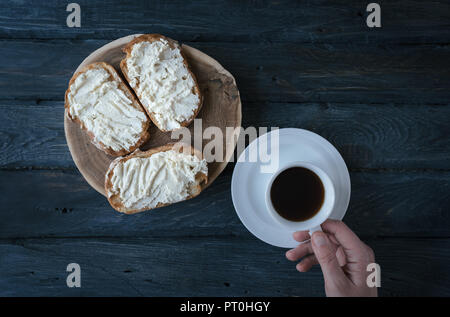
pixel 248 185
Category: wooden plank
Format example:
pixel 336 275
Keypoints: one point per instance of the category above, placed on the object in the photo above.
pixel 58 203
pixel 33 135
pixel 368 136
pixel 291 21
pixel 277 72
pixel 227 266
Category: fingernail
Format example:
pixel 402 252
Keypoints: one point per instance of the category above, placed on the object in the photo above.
pixel 319 239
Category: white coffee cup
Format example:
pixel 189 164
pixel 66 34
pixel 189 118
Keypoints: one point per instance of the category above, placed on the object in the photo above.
pixel 312 224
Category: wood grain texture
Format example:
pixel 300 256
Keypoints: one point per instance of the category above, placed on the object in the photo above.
pixel 228 266
pixel 231 21
pixel 368 136
pixel 276 72
pixel 393 203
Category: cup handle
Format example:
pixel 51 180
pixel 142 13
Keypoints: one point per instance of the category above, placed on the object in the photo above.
pixel 312 230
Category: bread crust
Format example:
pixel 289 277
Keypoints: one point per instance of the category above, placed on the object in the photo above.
pixel 114 199
pixel 135 102
pixel 173 44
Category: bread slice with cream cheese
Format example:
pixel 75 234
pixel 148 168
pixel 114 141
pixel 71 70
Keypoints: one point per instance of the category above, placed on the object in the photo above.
pixel 155 178
pixel 102 104
pixel 158 72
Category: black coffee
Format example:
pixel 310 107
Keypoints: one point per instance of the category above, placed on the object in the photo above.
pixel 297 194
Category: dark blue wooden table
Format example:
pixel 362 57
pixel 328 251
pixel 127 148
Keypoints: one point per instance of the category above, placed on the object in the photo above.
pixel 380 95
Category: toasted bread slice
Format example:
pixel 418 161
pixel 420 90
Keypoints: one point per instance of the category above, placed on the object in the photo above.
pixel 155 178
pixel 157 70
pixel 103 105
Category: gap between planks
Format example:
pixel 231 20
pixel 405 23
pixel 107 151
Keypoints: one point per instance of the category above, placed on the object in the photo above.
pixel 352 170
pixel 145 238
pixel 38 101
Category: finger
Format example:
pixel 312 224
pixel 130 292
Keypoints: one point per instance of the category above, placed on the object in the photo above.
pixel 343 234
pixel 299 252
pixel 370 254
pixel 340 255
pixel 307 263
pixel 301 236
pixel 333 239
pixel 326 255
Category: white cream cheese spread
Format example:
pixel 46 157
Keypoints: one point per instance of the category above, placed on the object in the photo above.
pixel 164 177
pixel 163 83
pixel 105 110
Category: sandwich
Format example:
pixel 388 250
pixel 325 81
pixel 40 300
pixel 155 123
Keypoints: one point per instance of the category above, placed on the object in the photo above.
pixel 155 178
pixel 159 74
pixel 103 105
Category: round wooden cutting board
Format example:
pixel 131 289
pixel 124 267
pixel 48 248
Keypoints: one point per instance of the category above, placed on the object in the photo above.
pixel 221 108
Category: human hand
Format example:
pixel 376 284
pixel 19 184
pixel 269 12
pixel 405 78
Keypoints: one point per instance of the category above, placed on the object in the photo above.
pixel 342 256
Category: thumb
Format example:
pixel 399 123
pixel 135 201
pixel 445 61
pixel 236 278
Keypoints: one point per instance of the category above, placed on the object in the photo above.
pixel 326 255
